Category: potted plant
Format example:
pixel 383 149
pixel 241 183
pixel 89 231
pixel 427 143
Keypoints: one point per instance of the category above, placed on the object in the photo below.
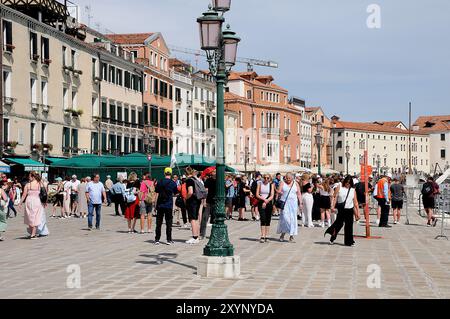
pixel 11 145
pixel 77 72
pixel 47 146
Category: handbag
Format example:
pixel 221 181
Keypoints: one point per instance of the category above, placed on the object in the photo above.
pixel 43 195
pixel 179 202
pixel 341 206
pixel 280 204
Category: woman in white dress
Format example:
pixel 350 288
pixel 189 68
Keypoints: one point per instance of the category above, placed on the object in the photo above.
pixel 82 201
pixel 308 203
pixel 290 194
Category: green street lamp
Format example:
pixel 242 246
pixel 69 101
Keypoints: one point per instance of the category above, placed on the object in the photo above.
pixel 319 142
pixel 221 48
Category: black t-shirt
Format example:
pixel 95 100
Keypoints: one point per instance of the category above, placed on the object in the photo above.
pixel 193 199
pixel 136 184
pixel 210 185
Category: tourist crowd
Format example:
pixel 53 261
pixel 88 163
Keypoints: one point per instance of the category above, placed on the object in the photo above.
pixel 333 202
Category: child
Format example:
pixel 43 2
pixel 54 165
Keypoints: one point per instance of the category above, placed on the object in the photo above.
pixel 308 203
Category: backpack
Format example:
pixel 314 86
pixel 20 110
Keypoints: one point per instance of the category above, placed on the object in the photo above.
pixel 427 189
pixel 200 190
pixel 150 198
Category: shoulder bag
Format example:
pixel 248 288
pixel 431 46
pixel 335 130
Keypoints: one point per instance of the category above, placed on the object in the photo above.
pixel 280 204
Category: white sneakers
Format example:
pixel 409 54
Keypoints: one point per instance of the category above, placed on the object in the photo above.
pixel 186 226
pixel 193 241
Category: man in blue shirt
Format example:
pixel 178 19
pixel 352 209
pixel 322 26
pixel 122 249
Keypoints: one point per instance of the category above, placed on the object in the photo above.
pixel 95 195
pixel 165 190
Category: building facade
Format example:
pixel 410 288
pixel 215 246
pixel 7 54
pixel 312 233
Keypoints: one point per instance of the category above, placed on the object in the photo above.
pixel 438 128
pixel 204 114
pixel 317 115
pixel 305 133
pixel 268 126
pixel 387 146
pixel 53 86
pixel 151 51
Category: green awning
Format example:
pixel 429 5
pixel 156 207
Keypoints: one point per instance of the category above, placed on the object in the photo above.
pixel 29 164
pixel 54 160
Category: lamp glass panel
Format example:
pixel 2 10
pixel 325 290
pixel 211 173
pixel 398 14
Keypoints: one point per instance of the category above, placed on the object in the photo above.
pixel 230 52
pixel 210 34
pixel 221 5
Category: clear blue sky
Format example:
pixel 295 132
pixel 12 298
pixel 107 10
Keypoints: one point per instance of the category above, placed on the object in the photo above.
pixel 326 52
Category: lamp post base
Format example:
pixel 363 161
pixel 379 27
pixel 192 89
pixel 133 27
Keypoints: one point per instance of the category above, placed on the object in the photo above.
pixel 219 267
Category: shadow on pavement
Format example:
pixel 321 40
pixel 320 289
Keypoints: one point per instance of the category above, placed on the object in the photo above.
pixel 322 243
pixel 160 259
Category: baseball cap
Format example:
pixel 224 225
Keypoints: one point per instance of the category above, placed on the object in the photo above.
pixel 168 171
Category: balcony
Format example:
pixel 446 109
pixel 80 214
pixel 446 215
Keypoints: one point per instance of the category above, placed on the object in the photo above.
pixel 9 101
pixel 45 108
pixel 189 103
pixel 210 105
pixel 287 133
pixel 34 106
pixel 178 102
pixel 270 131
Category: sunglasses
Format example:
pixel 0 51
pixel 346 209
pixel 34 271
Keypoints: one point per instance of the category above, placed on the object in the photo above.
pixel 266 177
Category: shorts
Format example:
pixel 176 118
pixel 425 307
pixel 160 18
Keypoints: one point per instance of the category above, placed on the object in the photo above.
pixel 145 209
pixel 397 204
pixel 193 209
pixel 325 202
pixel 73 198
pixel 229 202
pixel 428 203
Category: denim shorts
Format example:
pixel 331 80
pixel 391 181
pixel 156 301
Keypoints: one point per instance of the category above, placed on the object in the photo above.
pixel 144 208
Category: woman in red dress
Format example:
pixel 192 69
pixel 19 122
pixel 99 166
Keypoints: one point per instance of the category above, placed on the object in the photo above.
pixel 132 213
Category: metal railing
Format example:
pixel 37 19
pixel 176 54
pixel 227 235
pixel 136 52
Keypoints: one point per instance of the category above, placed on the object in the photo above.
pixel 271 131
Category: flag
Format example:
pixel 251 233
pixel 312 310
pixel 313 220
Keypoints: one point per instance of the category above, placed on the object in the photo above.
pixel 173 161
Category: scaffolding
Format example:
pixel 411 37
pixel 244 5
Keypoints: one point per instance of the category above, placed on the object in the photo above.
pixel 48 11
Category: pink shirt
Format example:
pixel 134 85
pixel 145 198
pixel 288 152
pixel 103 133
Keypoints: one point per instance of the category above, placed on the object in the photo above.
pixel 145 185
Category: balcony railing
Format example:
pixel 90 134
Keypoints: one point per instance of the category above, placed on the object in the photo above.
pixel 210 105
pixel 189 102
pixel 34 106
pixel 270 131
pixel 287 133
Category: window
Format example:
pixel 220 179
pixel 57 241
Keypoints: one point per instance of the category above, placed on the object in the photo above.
pixel 7 84
pixel 249 94
pixel 119 113
pixel 170 120
pixel 74 100
pixel 188 119
pixel 133 117
pixel 44 133
pixel 119 77
pixel 44 92
pixel 94 68
pixel 73 56
pixel 104 71
pixel 443 155
pixel 45 50
pixel 7 36
pixel 33 91
pixel 443 137
pixel 74 138
pixel 202 123
pixel 126 113
pixel 112 74
pixel 94 142
pixel 177 95
pixel 5 130
pixel 95 107
pixel 177 117
pixel 32 133
pixel 112 111
pixel 64 56
pixel 154 116
pixel 33 46
pixel 341 160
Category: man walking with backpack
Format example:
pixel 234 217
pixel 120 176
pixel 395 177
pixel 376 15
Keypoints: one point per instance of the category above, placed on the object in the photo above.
pixel 196 194
pixel 165 190
pixel 429 190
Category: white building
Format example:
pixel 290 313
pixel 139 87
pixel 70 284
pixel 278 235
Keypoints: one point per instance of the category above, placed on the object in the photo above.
pixel 387 144
pixel 305 133
pixel 183 107
pixel 438 127
pixel 203 114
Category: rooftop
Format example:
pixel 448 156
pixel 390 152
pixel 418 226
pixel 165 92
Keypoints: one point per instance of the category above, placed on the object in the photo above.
pixel 253 78
pixel 429 124
pixel 370 127
pixel 130 38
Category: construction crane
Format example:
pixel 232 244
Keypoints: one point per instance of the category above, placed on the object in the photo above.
pixel 249 62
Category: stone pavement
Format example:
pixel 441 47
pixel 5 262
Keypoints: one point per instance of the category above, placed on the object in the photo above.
pixel 115 264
